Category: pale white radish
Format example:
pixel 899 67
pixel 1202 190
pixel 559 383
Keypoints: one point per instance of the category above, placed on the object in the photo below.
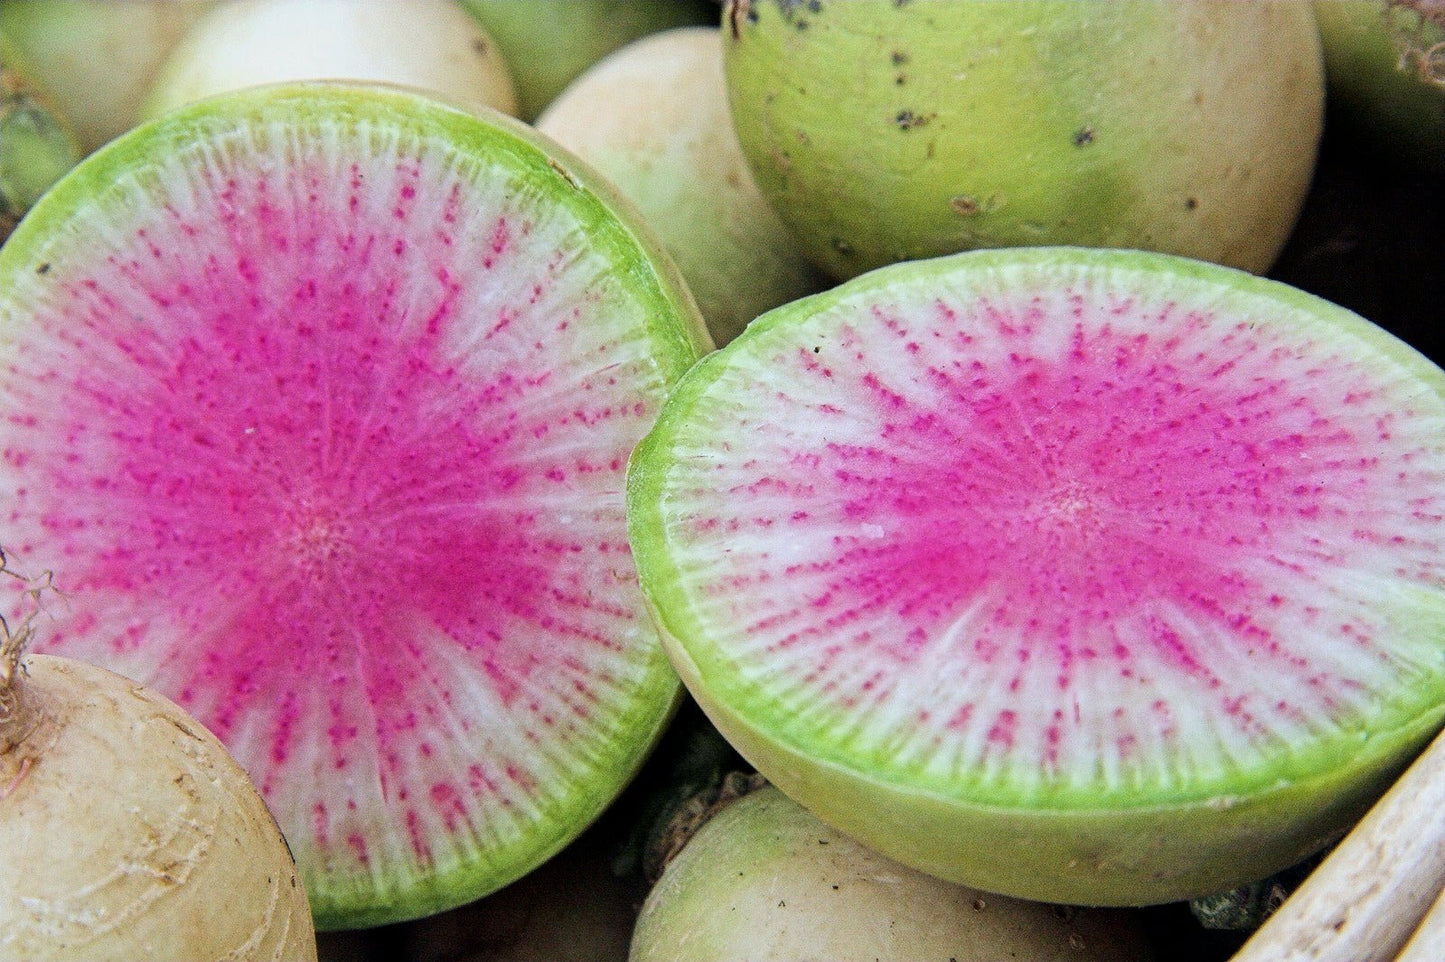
pixel 653 117
pixel 431 45
pixel 127 831
pixel 764 881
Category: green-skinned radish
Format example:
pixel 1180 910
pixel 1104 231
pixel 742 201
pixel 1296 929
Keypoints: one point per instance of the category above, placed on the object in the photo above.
pixel 885 131
pixel 653 118
pixel 764 881
pixel 1087 576
pixel 550 42
pixel 1385 65
pixel 37 145
pixel 97 58
pixel 126 830
pixel 323 395
pixel 431 45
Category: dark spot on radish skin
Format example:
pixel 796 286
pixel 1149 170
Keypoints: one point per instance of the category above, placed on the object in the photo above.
pixel 964 206
pixel 43 269
pixel 1083 136
pixel 908 120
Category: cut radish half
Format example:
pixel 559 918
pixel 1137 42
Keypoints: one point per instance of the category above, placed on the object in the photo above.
pixel 1085 576
pixel 318 400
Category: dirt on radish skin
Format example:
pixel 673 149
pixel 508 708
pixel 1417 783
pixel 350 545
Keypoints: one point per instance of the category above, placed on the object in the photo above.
pixel 323 397
pixel 1385 64
pixel 1093 577
pixel 885 131
pixel 128 832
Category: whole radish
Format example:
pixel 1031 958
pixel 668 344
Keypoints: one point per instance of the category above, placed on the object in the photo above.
pixel 126 830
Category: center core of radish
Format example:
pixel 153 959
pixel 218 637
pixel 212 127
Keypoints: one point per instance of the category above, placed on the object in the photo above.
pixel 1115 475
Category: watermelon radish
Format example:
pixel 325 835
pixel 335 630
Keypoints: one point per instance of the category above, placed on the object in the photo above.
pixel 319 398
pixel 1094 577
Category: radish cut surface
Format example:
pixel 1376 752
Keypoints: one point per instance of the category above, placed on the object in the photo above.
pixel 1086 576
pixel 318 400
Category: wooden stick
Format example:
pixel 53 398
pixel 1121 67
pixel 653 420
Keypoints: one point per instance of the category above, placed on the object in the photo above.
pixel 1428 942
pixel 1363 902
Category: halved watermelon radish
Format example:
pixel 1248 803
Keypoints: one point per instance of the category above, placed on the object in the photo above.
pixel 1085 576
pixel 318 401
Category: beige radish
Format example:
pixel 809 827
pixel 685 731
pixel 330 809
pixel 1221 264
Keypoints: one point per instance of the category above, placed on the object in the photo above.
pixel 430 45
pixel 764 881
pixel 96 59
pixel 653 118
pixel 126 830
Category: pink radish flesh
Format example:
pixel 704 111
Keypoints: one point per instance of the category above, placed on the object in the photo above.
pixel 325 432
pixel 1073 538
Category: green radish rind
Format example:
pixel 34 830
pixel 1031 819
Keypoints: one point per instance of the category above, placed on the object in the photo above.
pixel 1067 844
pixel 591 198
pixel 669 325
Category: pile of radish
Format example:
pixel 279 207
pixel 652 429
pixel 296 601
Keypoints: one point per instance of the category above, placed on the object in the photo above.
pixel 602 480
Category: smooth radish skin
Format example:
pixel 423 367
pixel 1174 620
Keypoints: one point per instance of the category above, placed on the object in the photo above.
pixel 549 43
pixel 323 395
pixel 764 881
pixel 127 831
pixel 1094 577
pixel 431 45
pixel 885 131
pixel 97 58
pixel 653 118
